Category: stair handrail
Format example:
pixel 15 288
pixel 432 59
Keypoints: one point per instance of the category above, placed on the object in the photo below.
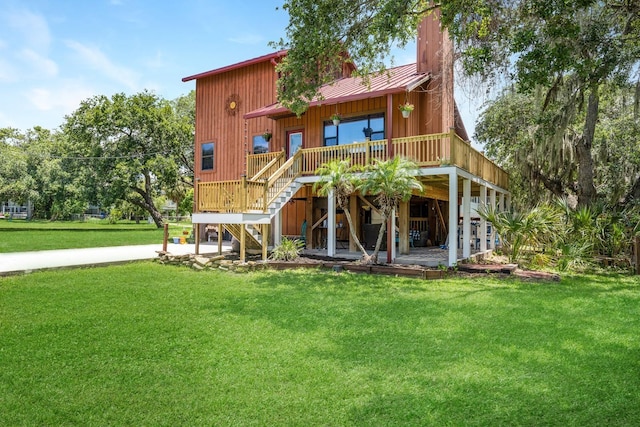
pixel 264 171
pixel 290 170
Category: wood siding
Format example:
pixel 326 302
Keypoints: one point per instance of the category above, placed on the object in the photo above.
pixel 253 86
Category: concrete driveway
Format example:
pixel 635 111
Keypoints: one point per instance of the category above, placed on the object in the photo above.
pixel 25 262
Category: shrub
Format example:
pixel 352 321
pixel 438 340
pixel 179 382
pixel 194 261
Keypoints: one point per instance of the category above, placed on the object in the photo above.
pixel 115 215
pixel 288 250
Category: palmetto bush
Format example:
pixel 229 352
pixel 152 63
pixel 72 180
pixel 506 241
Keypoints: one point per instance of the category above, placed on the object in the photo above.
pixel 571 238
pixel 287 250
pixel 532 230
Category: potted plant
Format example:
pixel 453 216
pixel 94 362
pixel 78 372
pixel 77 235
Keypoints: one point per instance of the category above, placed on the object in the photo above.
pixel 367 133
pixel 406 109
pixel 267 135
pixel 336 119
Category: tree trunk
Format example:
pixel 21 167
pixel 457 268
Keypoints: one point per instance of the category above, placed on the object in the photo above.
pixel 586 188
pixel 354 236
pixel 146 200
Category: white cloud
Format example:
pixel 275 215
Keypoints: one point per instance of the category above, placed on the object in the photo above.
pixel 97 60
pixel 33 28
pixel 64 98
pixel 247 39
pixel 40 64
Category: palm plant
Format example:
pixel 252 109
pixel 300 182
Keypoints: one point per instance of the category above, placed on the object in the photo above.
pixel 391 182
pixel 340 177
pixel 519 230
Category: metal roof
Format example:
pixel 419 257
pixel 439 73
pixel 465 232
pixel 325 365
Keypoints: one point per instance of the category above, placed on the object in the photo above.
pixel 269 57
pixel 394 80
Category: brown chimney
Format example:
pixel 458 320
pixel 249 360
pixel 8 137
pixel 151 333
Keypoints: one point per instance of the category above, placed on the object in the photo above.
pixel 435 56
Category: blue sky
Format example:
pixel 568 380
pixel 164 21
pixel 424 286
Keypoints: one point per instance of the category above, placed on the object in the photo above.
pixel 56 53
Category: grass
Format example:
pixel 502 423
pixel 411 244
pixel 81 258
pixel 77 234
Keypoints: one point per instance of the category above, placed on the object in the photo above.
pixel 21 236
pixel 144 344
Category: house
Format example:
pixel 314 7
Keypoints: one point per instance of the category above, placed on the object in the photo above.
pixel 256 161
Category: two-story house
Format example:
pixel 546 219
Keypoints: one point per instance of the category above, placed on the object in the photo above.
pixel 255 161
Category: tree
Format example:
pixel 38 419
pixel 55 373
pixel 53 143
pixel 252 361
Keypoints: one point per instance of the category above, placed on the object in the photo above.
pixel 391 182
pixel 338 177
pixel 518 130
pixel 131 147
pixel 321 35
pixel 573 47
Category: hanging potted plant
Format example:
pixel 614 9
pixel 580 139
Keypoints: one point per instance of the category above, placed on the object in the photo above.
pixel 406 109
pixel 367 133
pixel 267 135
pixel 336 119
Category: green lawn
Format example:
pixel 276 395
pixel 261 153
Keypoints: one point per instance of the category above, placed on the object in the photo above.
pixel 144 344
pixel 20 236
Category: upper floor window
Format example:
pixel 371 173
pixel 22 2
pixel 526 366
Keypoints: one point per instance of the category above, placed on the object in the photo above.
pixel 353 130
pixel 260 145
pixel 207 156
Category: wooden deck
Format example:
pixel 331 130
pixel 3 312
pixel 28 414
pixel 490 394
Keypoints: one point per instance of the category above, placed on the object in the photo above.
pixel 270 174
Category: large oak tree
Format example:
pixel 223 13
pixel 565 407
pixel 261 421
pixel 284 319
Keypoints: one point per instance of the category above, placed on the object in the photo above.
pixel 131 146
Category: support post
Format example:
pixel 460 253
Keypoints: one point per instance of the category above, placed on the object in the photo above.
pixel 391 233
pixel 243 196
pixel 243 243
pixel 492 235
pixel 265 240
pixel 220 233
pixel 466 218
pixel 196 237
pixel 331 224
pixel 403 227
pixel 453 217
pixel 165 237
pixel 277 228
pixel 483 222
pixel 308 215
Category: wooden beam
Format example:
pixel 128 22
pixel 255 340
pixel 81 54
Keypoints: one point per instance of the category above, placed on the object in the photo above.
pixel 441 218
pixel 403 227
pixel 308 214
pixel 368 203
pixel 265 240
pixel 243 244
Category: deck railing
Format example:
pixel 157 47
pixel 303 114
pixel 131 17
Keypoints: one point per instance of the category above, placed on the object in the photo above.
pixel 270 174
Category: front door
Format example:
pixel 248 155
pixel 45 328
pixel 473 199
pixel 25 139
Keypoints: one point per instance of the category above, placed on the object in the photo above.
pixel 294 142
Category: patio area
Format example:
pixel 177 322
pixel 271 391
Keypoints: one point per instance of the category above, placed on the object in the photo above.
pixel 431 256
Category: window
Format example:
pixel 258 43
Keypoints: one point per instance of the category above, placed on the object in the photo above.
pixel 207 156
pixel 260 145
pixel 350 131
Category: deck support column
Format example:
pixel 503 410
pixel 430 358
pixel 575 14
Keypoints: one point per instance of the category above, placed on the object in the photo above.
pixel 482 234
pixel 492 235
pixel 220 235
pixel 196 237
pixel 453 217
pixel 507 203
pixel 265 240
pixel 466 218
pixel 403 229
pixel 392 232
pixel 277 228
pixel 331 224
pixel 308 216
pixel 243 244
